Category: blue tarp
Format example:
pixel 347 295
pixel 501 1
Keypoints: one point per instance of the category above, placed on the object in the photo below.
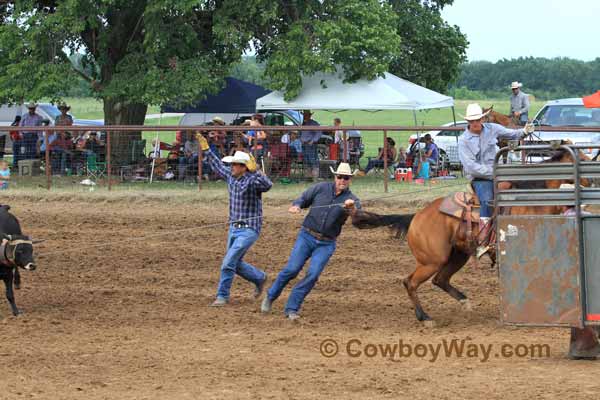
pixel 237 97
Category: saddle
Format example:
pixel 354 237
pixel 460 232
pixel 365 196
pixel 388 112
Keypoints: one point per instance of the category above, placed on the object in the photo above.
pixel 461 205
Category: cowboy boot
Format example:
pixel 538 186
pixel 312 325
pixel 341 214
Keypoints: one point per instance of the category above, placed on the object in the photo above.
pixel 484 227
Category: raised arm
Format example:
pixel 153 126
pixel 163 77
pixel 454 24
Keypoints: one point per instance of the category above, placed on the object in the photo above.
pixel 214 161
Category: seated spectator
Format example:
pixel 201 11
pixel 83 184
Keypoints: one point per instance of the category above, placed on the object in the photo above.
pixel 61 152
pixel 219 138
pixel 402 158
pixel 94 145
pixel 17 143
pixel 236 145
pixel 4 175
pixel 256 138
pixel 379 161
pixel 189 160
pixel 431 150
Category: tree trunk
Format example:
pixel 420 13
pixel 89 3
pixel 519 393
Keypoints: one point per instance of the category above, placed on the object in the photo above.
pixel 117 112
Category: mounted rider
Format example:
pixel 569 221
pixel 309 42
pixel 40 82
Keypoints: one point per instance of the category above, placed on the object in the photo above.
pixel 519 104
pixel 477 149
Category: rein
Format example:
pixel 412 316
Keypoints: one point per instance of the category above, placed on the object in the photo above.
pixel 8 250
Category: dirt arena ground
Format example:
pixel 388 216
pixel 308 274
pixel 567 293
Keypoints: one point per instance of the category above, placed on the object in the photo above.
pixel 130 320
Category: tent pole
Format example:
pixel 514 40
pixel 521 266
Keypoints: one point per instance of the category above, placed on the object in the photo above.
pixel 453 116
pixel 385 163
pixel 345 147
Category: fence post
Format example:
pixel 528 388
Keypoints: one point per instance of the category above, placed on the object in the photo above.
pixel 345 147
pixel 48 166
pixel 200 157
pixel 385 162
pixel 108 159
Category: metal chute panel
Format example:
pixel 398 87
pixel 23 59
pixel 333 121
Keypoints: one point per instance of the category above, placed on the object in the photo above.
pixel 539 267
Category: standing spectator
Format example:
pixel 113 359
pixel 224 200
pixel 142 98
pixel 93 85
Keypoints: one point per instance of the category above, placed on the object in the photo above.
pixel 339 134
pixel 4 175
pixel 295 145
pixel 309 141
pixel 64 119
pixel 246 187
pixel 519 104
pixel 30 139
pixel 17 142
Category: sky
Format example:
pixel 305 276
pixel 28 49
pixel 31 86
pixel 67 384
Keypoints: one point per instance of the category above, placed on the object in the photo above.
pixel 499 29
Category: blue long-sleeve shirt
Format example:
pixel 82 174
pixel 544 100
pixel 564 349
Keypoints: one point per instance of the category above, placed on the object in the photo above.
pixel 327 214
pixel 477 152
pixel 310 137
pixel 245 193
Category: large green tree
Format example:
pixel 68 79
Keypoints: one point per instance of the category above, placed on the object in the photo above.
pixel 431 51
pixel 139 52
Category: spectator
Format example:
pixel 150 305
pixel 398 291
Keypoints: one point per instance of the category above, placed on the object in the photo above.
pixel 30 139
pixel 255 137
pixel 4 175
pixel 423 168
pixel 431 150
pixel 63 119
pixel 190 156
pixel 339 134
pixel 61 152
pixel 236 145
pixel 519 103
pixel 219 138
pixel 295 145
pixel 309 140
pixel 17 142
pixel 402 158
pixel 93 145
pixel 379 161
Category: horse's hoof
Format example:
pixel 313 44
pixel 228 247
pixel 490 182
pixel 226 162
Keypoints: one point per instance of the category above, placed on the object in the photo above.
pixel 429 323
pixel 466 305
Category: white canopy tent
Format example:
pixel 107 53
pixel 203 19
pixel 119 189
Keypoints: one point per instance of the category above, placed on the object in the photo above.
pixel 385 93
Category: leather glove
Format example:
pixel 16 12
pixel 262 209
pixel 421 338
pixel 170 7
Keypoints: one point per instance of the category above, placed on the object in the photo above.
pixel 202 142
pixel 528 129
pixel 251 165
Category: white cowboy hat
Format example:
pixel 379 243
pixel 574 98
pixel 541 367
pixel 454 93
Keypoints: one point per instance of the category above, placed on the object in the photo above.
pixel 515 85
pixel 238 158
pixel 31 105
pixel 343 169
pixel 474 112
pixel 218 120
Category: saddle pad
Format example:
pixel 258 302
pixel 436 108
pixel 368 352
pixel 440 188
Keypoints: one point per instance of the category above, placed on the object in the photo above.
pixel 454 204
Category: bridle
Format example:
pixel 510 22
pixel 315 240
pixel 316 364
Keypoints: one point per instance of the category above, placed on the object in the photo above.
pixel 8 250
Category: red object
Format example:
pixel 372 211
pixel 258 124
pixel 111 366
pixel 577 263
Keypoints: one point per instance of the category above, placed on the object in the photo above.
pixel 593 317
pixel 403 175
pixel 592 101
pixel 334 152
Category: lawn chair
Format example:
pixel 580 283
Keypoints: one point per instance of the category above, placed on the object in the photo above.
pixel 94 168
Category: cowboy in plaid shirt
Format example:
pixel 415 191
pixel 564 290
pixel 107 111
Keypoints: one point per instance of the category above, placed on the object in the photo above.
pixel 245 216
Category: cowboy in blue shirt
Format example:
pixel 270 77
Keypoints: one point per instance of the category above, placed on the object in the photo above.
pixel 330 205
pixel 245 216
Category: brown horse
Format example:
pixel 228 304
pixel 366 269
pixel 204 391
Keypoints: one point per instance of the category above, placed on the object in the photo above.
pixel 439 242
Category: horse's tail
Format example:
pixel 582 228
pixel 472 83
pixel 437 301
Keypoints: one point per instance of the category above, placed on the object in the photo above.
pixel 398 223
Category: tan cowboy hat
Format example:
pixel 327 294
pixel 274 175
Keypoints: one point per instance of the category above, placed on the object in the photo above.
pixel 239 157
pixel 63 105
pixel 218 120
pixel 343 169
pixel 516 85
pixel 32 104
pixel 474 112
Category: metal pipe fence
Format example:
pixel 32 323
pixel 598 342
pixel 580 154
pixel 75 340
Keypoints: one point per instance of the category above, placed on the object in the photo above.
pixel 105 155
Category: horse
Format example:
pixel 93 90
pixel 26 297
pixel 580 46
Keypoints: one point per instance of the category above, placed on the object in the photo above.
pixel 508 121
pixel 440 243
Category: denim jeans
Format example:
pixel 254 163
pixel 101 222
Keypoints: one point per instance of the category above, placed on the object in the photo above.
pixel 239 242
pixel 306 246
pixel 485 192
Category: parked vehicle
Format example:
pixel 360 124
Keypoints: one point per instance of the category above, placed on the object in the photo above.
pixel 568 113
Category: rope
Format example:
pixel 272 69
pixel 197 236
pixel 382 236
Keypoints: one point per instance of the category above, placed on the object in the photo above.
pixel 209 226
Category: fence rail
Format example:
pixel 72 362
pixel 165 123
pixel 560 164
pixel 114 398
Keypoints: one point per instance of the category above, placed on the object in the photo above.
pixel 122 154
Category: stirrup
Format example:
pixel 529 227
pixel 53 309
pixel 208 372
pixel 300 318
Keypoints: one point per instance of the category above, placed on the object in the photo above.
pixel 481 250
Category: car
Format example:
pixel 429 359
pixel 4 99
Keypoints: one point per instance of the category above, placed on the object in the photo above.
pixel 568 113
pixel 446 141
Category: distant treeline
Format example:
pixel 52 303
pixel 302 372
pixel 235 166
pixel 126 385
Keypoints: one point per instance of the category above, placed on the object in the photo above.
pixel 545 78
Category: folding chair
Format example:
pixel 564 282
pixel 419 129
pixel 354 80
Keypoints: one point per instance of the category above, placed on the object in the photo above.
pixel 95 169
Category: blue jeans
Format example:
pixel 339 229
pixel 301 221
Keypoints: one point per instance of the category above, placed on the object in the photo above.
pixel 239 242
pixel 306 246
pixel 485 192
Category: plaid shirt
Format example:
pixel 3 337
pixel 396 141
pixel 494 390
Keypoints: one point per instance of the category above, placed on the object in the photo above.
pixel 245 193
